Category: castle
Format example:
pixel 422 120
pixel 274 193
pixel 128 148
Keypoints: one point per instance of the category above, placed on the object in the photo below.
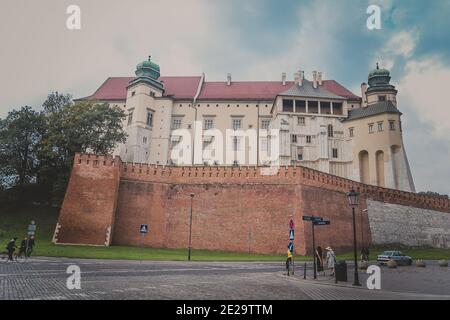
pixel 317 138
pixel 315 123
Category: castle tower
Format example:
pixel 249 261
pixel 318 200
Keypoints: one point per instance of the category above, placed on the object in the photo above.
pixel 375 131
pixel 148 119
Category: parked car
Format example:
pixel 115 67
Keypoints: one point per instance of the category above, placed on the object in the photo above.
pixel 400 258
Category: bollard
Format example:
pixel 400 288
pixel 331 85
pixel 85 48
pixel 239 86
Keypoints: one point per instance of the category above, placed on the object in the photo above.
pixel 304 272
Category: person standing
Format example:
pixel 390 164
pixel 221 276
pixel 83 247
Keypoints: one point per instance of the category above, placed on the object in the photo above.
pixel 331 259
pixel 319 261
pixel 11 247
pixel 288 260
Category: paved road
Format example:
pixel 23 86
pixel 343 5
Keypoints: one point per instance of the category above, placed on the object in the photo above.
pixel 45 278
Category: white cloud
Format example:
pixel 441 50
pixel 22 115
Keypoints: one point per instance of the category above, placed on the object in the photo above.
pixel 400 46
pixel 424 88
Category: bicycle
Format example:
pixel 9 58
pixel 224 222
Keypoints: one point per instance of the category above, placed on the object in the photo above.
pixel 16 258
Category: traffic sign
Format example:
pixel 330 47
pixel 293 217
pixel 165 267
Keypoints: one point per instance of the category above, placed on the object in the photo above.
pixel 291 224
pixel 321 223
pixel 291 234
pixel 312 218
pixel 144 228
pixel 291 247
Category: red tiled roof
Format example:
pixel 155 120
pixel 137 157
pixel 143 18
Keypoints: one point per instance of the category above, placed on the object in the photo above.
pixel 185 88
pixel 115 88
pixel 250 90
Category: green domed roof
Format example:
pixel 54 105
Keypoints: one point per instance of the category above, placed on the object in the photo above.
pixel 379 77
pixel 379 72
pixel 148 69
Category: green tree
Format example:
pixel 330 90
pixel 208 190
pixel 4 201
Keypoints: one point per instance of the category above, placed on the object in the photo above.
pixel 20 136
pixel 85 126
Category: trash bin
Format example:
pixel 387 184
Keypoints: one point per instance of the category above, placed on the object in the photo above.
pixel 341 271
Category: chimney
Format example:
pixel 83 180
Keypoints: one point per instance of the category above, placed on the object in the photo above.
pixel 315 79
pixel 283 78
pixel 363 94
pixel 319 78
pixel 229 79
pixel 297 78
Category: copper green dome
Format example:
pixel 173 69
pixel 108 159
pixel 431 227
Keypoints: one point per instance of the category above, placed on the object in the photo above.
pixel 379 77
pixel 379 72
pixel 148 69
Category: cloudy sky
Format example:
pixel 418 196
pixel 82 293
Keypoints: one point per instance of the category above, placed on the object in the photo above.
pixel 254 40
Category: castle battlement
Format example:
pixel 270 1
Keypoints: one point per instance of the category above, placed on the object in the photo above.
pixel 287 175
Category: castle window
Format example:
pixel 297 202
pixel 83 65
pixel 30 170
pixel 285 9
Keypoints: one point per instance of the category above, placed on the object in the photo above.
pixel 208 124
pixel 144 140
pixel 313 106
pixel 265 124
pixel 301 121
pixel 149 118
pixel 294 138
pixel 236 124
pixel 300 106
pixel 152 93
pixel 381 98
pixel 330 131
pixel 370 127
pixel 335 153
pixel 299 153
pixel 130 117
pixel 337 108
pixel 133 93
pixel 288 105
pixel 351 132
pixel 391 125
pixel 176 123
pixel 308 139
pixel 325 107
pixel 380 126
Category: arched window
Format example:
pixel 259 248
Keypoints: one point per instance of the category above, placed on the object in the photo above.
pixel 330 131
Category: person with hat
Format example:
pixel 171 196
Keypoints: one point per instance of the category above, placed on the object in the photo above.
pixel 331 259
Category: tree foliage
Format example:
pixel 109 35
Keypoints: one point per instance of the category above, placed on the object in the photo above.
pixel 39 147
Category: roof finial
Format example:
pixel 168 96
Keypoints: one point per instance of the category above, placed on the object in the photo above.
pixel 378 66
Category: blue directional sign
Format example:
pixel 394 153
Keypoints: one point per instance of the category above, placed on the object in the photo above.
pixel 291 247
pixel 291 235
pixel 311 218
pixel 144 228
pixel 321 223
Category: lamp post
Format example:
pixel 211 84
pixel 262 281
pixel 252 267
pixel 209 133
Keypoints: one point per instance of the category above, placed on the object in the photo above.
pixel 353 198
pixel 190 228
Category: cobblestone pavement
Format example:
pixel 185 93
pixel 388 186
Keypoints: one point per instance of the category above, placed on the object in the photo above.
pixel 45 278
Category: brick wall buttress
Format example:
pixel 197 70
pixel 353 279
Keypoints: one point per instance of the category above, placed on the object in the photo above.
pixel 87 214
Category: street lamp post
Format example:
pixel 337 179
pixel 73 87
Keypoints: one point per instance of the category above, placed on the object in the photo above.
pixel 190 229
pixel 353 198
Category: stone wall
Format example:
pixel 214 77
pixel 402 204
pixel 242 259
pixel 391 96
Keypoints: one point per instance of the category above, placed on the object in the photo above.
pixel 407 225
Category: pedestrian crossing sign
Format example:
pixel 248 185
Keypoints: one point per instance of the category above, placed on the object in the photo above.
pixel 144 228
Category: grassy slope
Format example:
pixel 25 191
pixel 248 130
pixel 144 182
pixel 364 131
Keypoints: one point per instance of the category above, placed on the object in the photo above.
pixel 13 222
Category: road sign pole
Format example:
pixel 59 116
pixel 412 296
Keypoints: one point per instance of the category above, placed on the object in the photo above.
pixel 314 251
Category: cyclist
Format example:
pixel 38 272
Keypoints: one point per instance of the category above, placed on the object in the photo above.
pixel 11 247
pixel 23 247
pixel 31 244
